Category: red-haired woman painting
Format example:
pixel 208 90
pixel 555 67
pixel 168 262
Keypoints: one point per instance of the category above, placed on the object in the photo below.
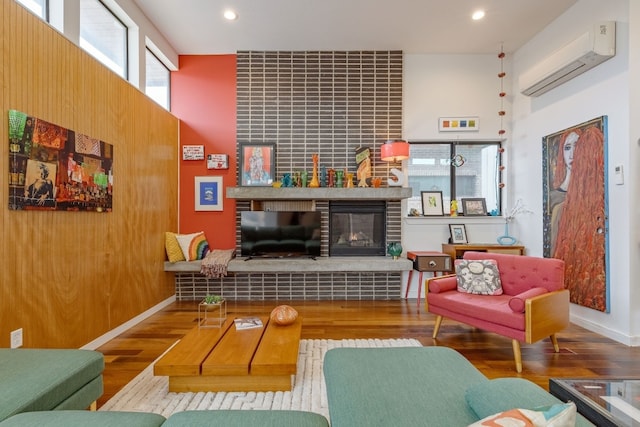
pixel 578 220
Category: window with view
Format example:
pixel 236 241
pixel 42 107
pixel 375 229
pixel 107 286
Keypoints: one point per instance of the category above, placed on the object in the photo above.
pixel 103 35
pixel 38 7
pixel 157 85
pixel 458 169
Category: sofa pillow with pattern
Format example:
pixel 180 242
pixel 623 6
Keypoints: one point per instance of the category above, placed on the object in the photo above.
pixel 194 246
pixel 480 277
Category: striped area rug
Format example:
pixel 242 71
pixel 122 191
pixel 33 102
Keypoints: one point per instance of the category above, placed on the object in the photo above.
pixel 148 393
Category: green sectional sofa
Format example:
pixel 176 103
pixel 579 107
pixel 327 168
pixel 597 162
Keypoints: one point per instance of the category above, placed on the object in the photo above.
pixel 48 379
pixel 369 387
pixel 419 386
pixel 222 418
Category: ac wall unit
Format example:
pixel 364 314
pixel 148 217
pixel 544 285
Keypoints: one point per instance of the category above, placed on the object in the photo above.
pixel 590 49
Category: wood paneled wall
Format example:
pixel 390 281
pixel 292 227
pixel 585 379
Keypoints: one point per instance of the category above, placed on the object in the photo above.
pixel 68 277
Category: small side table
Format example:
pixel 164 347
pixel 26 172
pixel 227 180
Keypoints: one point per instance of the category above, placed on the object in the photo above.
pixel 426 261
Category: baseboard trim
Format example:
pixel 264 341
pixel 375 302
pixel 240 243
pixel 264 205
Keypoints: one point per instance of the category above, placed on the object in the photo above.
pixel 632 341
pixel 103 339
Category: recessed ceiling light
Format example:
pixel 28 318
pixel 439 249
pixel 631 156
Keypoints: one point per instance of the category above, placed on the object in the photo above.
pixel 477 15
pixel 230 15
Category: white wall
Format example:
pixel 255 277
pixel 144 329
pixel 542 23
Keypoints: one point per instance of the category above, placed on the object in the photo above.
pixel 603 90
pixel 452 85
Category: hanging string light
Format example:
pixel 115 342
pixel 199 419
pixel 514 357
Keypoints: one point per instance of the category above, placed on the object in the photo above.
pixel 502 94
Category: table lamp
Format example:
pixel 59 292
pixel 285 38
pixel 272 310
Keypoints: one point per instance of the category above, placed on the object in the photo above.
pixel 394 151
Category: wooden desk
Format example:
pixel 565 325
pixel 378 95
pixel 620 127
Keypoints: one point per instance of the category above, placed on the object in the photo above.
pixel 456 251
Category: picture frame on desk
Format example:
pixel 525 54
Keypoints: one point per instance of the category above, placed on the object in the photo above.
pixel 458 233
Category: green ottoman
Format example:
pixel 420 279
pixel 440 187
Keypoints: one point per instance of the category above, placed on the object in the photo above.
pixel 245 418
pixel 83 419
pixel 47 379
pixel 412 386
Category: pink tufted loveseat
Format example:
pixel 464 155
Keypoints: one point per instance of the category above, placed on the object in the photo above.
pixel 534 304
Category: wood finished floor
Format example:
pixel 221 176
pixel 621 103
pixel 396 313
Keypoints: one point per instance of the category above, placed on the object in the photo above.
pixel 582 353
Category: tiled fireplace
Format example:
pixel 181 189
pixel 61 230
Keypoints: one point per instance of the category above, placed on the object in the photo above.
pixel 329 103
pixel 357 228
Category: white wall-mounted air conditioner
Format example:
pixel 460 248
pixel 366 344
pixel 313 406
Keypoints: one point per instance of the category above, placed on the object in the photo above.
pixel 590 49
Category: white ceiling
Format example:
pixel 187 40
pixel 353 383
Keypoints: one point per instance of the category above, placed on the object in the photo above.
pixel 197 27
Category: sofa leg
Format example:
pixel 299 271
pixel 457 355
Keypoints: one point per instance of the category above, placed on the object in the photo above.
pixel 517 354
pixel 93 406
pixel 436 327
pixel 554 341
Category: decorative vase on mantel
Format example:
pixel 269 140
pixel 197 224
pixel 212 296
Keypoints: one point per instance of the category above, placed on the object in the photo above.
pixel 507 239
pixel 394 249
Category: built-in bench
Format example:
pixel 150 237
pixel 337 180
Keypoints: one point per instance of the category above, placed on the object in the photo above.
pixel 319 264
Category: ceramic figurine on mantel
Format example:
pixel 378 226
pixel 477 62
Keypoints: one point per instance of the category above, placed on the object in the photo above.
pixel 363 160
pixel 315 183
pixel 339 176
pixel 332 177
pixel 348 180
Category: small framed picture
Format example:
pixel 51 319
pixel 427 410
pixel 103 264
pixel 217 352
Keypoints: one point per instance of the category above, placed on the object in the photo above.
pixel 458 124
pixel 474 207
pixel 432 203
pixel 208 193
pixel 257 164
pixel 458 233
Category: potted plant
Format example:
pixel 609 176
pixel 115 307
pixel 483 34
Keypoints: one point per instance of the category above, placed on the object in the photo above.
pixel 212 299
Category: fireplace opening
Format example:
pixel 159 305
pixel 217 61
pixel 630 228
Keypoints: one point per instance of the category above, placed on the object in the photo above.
pixel 357 228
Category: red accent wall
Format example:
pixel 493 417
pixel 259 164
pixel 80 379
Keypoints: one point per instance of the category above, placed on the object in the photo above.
pixel 203 97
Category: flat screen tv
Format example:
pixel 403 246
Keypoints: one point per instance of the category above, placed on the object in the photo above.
pixel 280 234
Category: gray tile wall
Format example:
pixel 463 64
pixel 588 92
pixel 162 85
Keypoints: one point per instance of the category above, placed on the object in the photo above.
pixel 330 103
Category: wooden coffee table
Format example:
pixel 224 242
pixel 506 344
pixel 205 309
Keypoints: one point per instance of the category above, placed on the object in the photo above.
pixel 226 359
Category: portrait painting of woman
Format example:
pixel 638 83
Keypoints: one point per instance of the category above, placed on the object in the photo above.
pixel 575 217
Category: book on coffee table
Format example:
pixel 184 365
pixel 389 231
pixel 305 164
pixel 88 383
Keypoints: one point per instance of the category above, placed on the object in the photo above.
pixel 247 323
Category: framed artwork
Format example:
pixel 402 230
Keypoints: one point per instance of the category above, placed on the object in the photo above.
pixel 574 179
pixel 432 203
pixel 458 124
pixel 458 233
pixel 208 193
pixel 474 207
pixel 257 164
pixel 55 168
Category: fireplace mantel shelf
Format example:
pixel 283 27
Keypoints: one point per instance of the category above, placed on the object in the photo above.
pixel 323 193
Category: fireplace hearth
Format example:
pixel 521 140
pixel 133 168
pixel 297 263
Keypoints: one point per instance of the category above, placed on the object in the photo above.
pixel 357 228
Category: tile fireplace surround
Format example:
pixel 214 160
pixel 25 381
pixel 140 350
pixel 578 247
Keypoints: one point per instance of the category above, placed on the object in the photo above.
pixel 329 103
pixel 338 278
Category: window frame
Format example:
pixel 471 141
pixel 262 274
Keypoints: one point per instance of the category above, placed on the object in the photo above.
pixel 45 9
pixel 127 30
pixel 452 169
pixel 146 78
